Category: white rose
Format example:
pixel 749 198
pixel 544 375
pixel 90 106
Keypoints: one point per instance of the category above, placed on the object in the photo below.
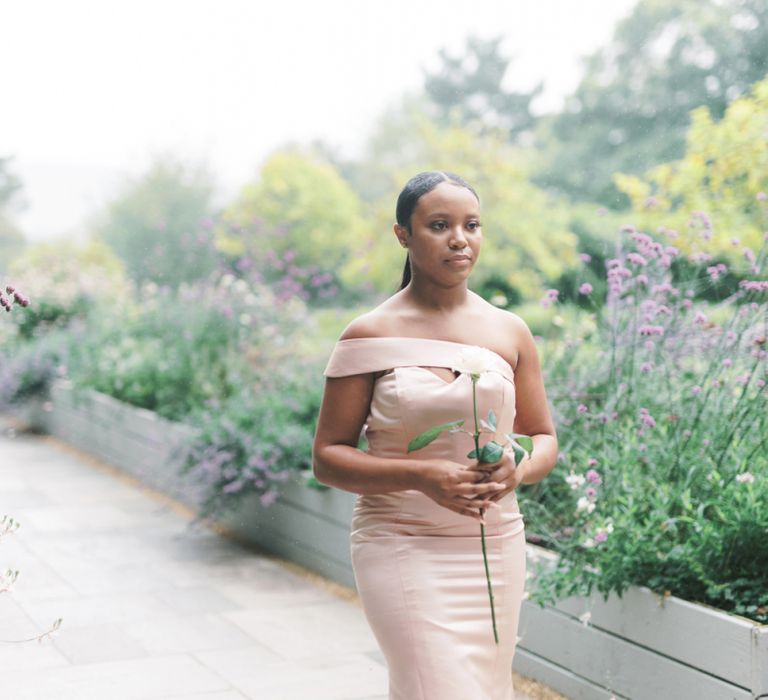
pixel 473 361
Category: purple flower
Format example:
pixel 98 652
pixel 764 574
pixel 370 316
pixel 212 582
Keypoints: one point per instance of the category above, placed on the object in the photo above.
pixel 754 285
pixel 268 498
pixel 714 271
pixel 646 367
pixel 646 418
pixel 585 257
pixel 581 408
pixel 601 536
pixel 593 477
pixel 696 390
pixel 233 486
pixel 585 288
pixel 590 492
pixel 761 196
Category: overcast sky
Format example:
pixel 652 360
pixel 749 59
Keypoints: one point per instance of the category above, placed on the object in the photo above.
pixel 94 88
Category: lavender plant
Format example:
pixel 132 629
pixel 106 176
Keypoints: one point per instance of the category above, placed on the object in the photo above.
pixel 254 441
pixel 660 401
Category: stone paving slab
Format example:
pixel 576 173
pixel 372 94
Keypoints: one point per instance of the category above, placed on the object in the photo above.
pixel 155 607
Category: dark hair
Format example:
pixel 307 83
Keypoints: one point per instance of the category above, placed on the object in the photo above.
pixel 409 197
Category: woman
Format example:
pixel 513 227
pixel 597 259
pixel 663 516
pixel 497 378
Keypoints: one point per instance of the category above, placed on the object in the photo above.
pixel 416 547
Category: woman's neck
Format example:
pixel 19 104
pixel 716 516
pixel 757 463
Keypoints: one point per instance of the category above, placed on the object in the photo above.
pixel 432 298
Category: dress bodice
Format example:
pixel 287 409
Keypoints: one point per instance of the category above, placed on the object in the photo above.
pixel 411 398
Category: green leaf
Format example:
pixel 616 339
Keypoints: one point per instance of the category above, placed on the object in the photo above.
pixel 519 453
pixel 492 419
pixel 472 454
pixel 429 435
pixel 525 441
pixel 491 452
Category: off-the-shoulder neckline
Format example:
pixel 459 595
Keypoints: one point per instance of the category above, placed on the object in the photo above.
pixel 425 340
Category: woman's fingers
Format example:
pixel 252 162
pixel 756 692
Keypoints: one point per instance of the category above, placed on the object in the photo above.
pixel 480 488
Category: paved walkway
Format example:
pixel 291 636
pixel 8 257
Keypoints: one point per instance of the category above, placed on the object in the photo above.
pixel 155 608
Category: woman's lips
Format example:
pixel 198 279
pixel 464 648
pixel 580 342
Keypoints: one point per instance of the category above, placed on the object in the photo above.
pixel 460 260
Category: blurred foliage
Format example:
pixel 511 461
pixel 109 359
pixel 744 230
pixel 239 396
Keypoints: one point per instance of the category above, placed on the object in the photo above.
pixel 10 184
pixel 300 213
pixel 467 90
pixel 63 280
pixel 11 238
pixel 723 176
pixel 631 109
pixel 159 224
pixel 175 352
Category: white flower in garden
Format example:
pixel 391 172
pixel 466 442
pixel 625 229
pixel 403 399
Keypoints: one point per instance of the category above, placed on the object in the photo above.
pixel 745 478
pixel 473 361
pixel 584 504
pixel 589 543
pixel 575 480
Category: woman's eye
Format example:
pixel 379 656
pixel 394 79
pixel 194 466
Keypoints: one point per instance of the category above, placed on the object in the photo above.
pixel 438 225
pixel 473 225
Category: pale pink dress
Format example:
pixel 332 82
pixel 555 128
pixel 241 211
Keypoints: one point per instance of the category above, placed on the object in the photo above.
pixel 419 566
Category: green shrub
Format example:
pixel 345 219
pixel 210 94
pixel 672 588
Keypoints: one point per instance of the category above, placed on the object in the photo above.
pixel 662 477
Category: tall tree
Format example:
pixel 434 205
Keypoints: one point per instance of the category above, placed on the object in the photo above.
pixel 11 238
pixel 158 224
pixel 468 90
pixel 719 190
pixel 631 109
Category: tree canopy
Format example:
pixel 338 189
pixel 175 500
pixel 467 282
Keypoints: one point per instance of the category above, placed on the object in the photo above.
pixel 631 109
pixel 718 189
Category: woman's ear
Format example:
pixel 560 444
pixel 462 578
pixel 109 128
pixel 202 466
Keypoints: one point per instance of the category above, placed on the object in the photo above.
pixel 402 234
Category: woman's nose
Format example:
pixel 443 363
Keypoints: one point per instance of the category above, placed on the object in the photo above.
pixel 458 238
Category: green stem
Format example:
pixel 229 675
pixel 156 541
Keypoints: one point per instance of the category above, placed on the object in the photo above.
pixel 482 514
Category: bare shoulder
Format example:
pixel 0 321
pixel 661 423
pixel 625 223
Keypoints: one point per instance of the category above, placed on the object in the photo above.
pixel 363 326
pixel 376 323
pixel 512 336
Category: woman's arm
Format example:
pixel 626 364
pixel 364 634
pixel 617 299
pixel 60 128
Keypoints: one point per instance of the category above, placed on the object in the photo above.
pixel 335 457
pixel 532 417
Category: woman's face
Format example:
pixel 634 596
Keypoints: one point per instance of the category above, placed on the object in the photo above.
pixel 445 238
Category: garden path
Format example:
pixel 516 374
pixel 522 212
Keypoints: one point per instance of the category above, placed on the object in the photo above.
pixel 155 607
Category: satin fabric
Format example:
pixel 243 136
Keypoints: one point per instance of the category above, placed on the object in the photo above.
pixel 418 566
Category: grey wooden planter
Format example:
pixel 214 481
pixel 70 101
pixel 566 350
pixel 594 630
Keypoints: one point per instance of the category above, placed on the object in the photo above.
pixel 640 646
pixel 637 646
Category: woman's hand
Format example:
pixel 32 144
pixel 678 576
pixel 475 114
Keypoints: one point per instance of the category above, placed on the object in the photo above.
pixel 456 487
pixel 503 472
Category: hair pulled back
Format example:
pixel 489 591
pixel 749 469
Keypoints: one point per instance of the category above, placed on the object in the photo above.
pixel 409 197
